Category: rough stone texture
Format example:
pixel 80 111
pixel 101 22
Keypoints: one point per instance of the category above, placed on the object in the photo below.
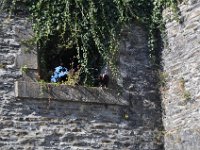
pixel 31 123
pixel 34 124
pixel 181 95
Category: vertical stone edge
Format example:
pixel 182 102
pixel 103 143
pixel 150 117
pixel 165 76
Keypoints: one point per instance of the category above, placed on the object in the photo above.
pixel 16 89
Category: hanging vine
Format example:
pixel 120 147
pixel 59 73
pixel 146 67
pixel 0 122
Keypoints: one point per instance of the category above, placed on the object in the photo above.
pixel 91 27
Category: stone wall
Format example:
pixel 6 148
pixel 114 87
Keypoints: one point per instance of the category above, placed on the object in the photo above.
pixel 35 116
pixel 181 94
pixel 43 116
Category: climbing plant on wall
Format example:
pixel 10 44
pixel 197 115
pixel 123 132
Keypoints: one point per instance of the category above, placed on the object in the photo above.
pixel 157 24
pixel 91 27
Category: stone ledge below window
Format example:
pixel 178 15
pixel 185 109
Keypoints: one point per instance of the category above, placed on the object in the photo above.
pixel 63 92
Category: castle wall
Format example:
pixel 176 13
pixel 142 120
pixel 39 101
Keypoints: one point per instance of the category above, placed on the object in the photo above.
pixel 39 116
pixel 181 63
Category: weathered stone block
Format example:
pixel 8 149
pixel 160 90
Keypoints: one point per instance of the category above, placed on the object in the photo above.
pixel 27 59
pixel 30 75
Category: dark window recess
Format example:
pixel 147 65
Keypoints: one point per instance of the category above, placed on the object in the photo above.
pixel 51 55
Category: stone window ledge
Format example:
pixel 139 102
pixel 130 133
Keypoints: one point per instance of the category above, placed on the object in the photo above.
pixel 27 87
pixel 35 90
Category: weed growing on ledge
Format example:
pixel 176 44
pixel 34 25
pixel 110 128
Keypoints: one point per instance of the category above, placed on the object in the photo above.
pixel 126 116
pixel 73 78
pixel 27 50
pixel 24 69
pixel 158 136
pixel 162 78
pixel 2 66
pixel 43 87
pixel 186 94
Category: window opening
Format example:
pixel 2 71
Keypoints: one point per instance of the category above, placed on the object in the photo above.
pixel 51 55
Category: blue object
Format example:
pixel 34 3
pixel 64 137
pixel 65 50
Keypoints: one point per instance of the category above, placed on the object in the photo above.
pixel 59 73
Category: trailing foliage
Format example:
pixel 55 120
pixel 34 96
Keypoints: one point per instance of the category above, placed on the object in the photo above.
pixel 91 28
pixel 157 25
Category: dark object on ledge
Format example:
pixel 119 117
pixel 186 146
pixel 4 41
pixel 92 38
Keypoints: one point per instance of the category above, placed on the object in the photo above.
pixel 104 80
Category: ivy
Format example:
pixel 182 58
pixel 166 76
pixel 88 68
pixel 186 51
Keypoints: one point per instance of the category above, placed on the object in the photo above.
pixel 91 28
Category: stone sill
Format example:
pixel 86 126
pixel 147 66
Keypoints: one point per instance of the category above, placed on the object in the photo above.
pixel 35 90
